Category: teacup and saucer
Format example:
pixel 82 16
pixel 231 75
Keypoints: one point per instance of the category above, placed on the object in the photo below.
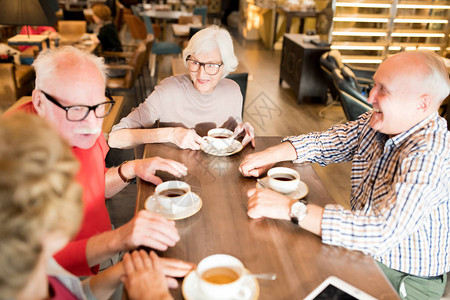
pixel 220 277
pixel 285 181
pixel 221 142
pixel 174 200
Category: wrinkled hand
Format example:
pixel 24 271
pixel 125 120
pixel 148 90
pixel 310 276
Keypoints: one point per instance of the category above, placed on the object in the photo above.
pixel 146 168
pixel 187 138
pixel 150 230
pixel 175 268
pixel 144 278
pixel 256 164
pixel 269 204
pixel 249 133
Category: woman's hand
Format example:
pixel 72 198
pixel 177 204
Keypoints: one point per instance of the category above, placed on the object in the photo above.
pixel 187 138
pixel 144 278
pixel 249 133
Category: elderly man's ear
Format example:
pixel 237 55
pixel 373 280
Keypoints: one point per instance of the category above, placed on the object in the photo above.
pixel 425 103
pixel 38 102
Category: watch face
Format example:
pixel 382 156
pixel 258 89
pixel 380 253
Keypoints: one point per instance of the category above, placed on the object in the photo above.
pixel 298 210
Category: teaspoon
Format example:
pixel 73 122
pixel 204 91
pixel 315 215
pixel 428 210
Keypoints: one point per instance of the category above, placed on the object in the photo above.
pixel 265 276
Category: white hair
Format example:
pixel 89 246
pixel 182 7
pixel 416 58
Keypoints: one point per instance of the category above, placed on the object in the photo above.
pixel 207 40
pixel 435 79
pixel 48 62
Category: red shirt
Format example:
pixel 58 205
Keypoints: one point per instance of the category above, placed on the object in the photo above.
pixel 96 219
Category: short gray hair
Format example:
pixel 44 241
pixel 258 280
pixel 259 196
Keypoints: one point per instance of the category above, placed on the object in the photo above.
pixel 47 62
pixel 437 79
pixel 432 71
pixel 207 40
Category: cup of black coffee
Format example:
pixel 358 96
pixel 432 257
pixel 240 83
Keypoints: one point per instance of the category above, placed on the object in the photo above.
pixel 173 195
pixel 220 138
pixel 283 180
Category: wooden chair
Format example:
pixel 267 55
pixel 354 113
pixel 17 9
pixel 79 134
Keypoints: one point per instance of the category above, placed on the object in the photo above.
pixel 195 19
pixel 71 31
pixel 159 48
pixel 133 69
pixel 203 12
pixel 15 81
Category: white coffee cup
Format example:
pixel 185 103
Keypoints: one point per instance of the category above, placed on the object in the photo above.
pixel 283 180
pixel 220 138
pixel 221 276
pixel 173 195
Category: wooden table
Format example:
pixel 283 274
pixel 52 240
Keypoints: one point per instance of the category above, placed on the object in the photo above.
pixel 171 15
pixel 29 40
pixel 299 258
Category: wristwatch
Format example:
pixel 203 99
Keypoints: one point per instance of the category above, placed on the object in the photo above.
pixel 298 211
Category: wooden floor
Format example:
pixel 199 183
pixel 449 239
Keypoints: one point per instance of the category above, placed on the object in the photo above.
pixel 272 110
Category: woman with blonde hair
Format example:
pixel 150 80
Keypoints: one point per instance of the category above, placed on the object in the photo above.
pixel 40 211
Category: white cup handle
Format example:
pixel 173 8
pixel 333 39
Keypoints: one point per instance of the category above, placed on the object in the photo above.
pixel 244 293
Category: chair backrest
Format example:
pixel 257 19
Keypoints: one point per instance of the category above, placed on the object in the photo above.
pixel 241 79
pixel 354 103
pixel 193 30
pixel 121 10
pixel 151 28
pixel 201 11
pixel 135 10
pixel 71 27
pixel 73 14
pixel 195 19
pixel 136 26
pixel 8 85
pixel 332 60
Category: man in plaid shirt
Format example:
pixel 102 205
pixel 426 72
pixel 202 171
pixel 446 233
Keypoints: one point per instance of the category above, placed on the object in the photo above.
pixel 400 196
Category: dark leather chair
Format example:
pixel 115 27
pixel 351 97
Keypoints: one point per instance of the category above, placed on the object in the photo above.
pixel 353 101
pixel 241 79
pixel 358 77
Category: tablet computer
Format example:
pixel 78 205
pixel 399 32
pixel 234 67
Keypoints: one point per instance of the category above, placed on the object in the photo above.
pixel 337 289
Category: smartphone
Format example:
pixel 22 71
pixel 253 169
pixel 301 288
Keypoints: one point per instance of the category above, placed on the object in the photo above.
pixel 337 289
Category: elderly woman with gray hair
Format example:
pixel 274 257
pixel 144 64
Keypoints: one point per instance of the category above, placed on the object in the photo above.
pixel 187 106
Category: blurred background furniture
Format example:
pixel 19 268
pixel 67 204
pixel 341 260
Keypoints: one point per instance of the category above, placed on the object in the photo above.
pixel 71 31
pixel 201 11
pixel 241 79
pixel 159 47
pixel 354 103
pixel 15 81
pixel 332 60
pixel 133 68
pixel 300 67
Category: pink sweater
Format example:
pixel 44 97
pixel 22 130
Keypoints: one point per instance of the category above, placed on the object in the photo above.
pixel 176 103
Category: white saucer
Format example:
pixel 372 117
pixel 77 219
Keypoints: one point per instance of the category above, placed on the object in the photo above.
pixel 153 205
pixel 235 147
pixel 300 192
pixel 191 290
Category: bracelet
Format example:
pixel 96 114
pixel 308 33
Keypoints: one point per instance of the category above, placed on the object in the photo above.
pixel 119 171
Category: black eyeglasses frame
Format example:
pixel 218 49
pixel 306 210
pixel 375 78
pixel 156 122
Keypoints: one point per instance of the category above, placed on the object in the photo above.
pixel 94 107
pixel 201 64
